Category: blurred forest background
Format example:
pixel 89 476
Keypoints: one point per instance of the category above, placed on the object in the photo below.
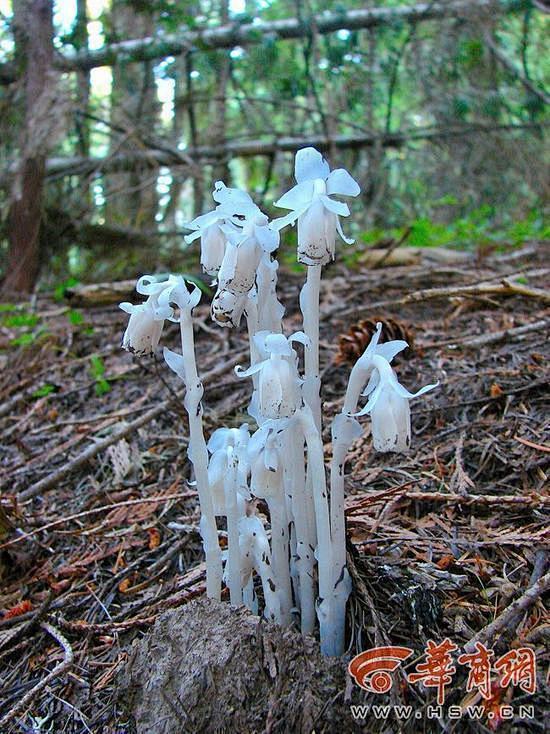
pixel 118 115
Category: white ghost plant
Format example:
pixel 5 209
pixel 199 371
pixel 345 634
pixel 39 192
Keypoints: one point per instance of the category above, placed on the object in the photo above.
pixel 297 550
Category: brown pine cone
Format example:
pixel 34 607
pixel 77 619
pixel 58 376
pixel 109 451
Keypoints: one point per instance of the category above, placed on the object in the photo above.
pixel 352 345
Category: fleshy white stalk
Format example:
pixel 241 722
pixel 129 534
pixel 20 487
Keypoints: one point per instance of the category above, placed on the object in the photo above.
pixel 331 628
pixel 280 554
pixel 295 477
pixel 255 550
pixel 198 455
pixel 233 565
pixel 309 305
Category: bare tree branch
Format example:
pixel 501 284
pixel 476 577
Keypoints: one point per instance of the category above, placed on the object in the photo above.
pixel 235 34
pixel 78 166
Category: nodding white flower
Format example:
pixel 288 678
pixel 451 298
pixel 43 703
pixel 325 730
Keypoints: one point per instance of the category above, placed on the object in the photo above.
pixel 256 554
pixel 177 293
pixel 244 251
pixel 227 308
pixel 266 471
pixel 279 386
pixel 226 444
pixel 146 321
pixel 311 204
pixel 234 207
pixel 388 402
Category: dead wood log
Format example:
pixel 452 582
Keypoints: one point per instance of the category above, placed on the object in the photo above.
pixel 100 294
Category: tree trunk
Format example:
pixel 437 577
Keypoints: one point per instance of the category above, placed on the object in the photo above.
pixel 33 30
pixel 132 199
pixel 220 171
pixel 83 80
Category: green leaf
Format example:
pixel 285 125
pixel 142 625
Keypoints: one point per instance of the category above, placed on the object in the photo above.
pixel 19 320
pixel 24 340
pixel 43 391
pixel 59 290
pixel 97 367
pixel 75 317
pixel 101 387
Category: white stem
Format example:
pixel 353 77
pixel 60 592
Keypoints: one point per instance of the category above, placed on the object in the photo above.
pixel 329 624
pixel 342 436
pixel 198 455
pixel 233 565
pixel 309 304
pixel 249 596
pixel 293 448
pixel 270 310
pixel 279 552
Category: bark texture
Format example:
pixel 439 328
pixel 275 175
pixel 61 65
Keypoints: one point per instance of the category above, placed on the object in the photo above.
pixel 33 30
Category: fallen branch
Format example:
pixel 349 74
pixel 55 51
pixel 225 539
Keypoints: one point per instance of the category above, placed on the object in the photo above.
pixel 102 508
pixel 530 500
pixel 505 288
pixel 59 669
pixel 517 333
pixel 79 166
pixel 504 619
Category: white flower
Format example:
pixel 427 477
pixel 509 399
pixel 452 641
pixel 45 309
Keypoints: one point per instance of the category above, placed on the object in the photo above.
pixel 223 444
pixel 265 466
pixel 388 401
pixel 279 389
pixel 234 207
pixel 244 251
pixel 227 308
pixel 146 319
pixel 310 202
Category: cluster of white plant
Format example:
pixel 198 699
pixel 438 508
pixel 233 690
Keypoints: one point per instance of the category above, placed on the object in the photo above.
pixel 299 552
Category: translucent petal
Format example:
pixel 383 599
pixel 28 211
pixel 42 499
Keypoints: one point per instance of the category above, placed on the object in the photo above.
pixel 257 441
pixel 347 240
pixel 345 428
pixel 391 422
pixel 300 336
pixel 371 349
pixel 371 401
pixel 189 238
pixel 340 182
pixel 336 207
pixel 298 196
pixel 374 379
pixel 218 440
pixel 291 218
pixel 205 220
pixel 230 197
pixel 127 307
pixel 251 370
pixel 278 344
pixel 267 237
pixel 309 164
pixel 195 295
pixel 391 348
pixel 147 285
pixel 175 362
pixel 404 393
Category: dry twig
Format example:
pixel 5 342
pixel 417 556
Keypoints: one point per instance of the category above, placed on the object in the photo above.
pixel 59 669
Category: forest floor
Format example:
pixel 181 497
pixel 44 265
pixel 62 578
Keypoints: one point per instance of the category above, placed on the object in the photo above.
pixel 99 525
